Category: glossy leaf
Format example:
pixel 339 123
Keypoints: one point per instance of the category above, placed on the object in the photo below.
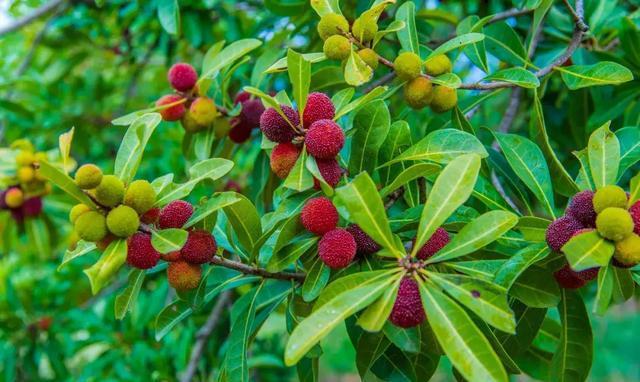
pixel 588 250
pixel 113 257
pixel 68 185
pixel 124 300
pixel 604 156
pixel 300 76
pixel 408 37
pixel 168 240
pixel 371 125
pixel 416 171
pixel 602 73
pixel 456 42
pixel 245 220
pixel 218 201
pixel 356 71
pixel 518 76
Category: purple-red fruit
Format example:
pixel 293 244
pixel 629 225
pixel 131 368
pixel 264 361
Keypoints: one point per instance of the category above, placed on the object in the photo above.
pixel 337 248
pixel 319 106
pixel 182 77
pixel 240 133
pixel 364 242
pixel 252 111
pixel 635 215
pixel 199 248
pixel 330 170
pixel 140 252
pixel 561 231
pixel 567 278
pixel 324 139
pixel 407 310
pixel 175 214
pixel 275 127
pixel 581 208
pixel 436 242
pixel 319 216
pixel 32 206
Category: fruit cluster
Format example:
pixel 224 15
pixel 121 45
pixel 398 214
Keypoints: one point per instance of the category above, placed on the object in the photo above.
pixel 322 137
pixel 248 119
pixel 606 212
pixel 419 91
pixel 333 27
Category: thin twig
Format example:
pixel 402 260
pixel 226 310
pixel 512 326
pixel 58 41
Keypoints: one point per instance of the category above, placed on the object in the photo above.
pixel 508 14
pixel 393 197
pixel 380 82
pixel 203 335
pixel 27 19
pixel 244 268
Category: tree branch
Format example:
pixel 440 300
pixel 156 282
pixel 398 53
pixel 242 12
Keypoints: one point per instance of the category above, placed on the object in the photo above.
pixel 250 270
pixel 508 14
pixel 27 19
pixel 380 82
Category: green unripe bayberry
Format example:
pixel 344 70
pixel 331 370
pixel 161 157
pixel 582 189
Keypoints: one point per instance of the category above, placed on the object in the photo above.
pixel 438 65
pixel 444 99
pixel 418 92
pixel 91 226
pixel 614 223
pixel 123 221
pixel 88 176
pixel 76 211
pixel 369 56
pixel 110 191
pixel 364 29
pixel 628 251
pixel 332 24
pixel 609 196
pixel 407 66
pixel 25 158
pixel 140 196
pixel 337 47
pixel 26 174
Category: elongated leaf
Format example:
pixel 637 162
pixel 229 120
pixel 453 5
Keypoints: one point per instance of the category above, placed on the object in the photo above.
pixel 169 15
pixel 418 170
pixel 359 102
pixel 38 236
pixel 449 80
pixel 300 77
pixel 477 234
pixel 68 185
pixel 81 249
pixel 408 37
pixel 126 298
pixel 168 240
pixel 289 254
pixel 371 125
pixel 227 56
pixel 537 288
pixel 634 195
pixel 315 327
pixel 465 345
pixel 245 220
pixel 218 200
pixel 346 283
pixel 107 266
pixel 517 75
pixel 602 73
pixel 317 278
pixel 370 347
pixel 604 294
pixel 377 314
pixel 64 143
pixel 629 138
pixel 503 42
pixel 518 263
pixel 456 42
pixel 588 250
pixel 604 156
pixel 282 64
pixel 133 144
pixel 323 7
pixel 212 169
pixel 451 189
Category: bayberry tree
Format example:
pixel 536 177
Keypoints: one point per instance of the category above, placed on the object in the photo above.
pixel 448 185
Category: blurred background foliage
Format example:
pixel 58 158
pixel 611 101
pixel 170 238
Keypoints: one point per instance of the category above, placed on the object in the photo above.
pixel 83 64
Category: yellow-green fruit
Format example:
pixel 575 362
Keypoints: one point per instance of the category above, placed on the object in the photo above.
pixel 76 211
pixel 91 226
pixel 444 99
pixel 88 176
pixel 332 24
pixel 110 191
pixel 609 196
pixel 41 157
pixel 364 29
pixel 203 111
pixel 418 92
pixel 189 123
pixel 407 66
pixel 26 174
pixel 14 198
pixel 614 223
pixel 123 221
pixel 25 158
pixel 437 65
pixel 369 56
pixel 22 144
pixel 140 196
pixel 628 250
pixel 337 47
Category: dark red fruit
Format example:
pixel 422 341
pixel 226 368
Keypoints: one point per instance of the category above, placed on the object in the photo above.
pixel 175 214
pixel 330 170
pixel 151 216
pixel 407 310
pixel 32 207
pixel 560 231
pixel 436 242
pixel 324 139
pixel 319 216
pixel 635 215
pixel 276 128
pixel 140 252
pixel 319 106
pixel 569 279
pixel 581 208
pixel 252 111
pixel 199 248
pixel 283 158
pixel 364 242
pixel 240 133
pixel 182 77
pixel 337 248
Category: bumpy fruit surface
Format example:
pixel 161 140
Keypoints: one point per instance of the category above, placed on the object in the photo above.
pixel 609 196
pixel 319 216
pixel 184 276
pixel 91 226
pixel 171 113
pixel 324 139
pixel 614 223
pixel 364 29
pixel 407 310
pixel 199 247
pixel 561 231
pixel 436 242
pixel 567 278
pixel 444 99
pixel 628 251
pixel 337 47
pixel 175 214
pixel 140 196
pixel 76 211
pixel 123 221
pixel 88 176
pixel 332 24
pixel 418 92
pixel 407 66
pixel 182 77
pixel 370 57
pixel 337 248
pixel 283 158
pixel 240 133
pixel 276 128
pixel 438 65
pixel 203 111
pixel 319 106
pixel 110 191
pixel 251 111
pixel 330 170
pixel 171 256
pixel 581 208
pixel 635 215
pixel 151 216
pixel 364 243
pixel 140 252
pixel 32 206
pixel 14 197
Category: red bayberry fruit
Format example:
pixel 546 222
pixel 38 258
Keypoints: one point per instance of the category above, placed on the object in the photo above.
pixel 324 139
pixel 319 216
pixel 337 248
pixel 182 77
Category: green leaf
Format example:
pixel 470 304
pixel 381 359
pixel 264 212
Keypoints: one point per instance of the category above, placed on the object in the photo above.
pixel 371 125
pixel 64 143
pixel 527 161
pixel 168 240
pixel 537 288
pixel 317 278
pixel 623 285
pixel 518 263
pixel 604 156
pixel 282 64
pixel 416 171
pixel 81 249
pixel 451 189
pixel 227 56
pixel 216 202
pixel 38 236
pixel 359 102
pixel 408 37
pixel 449 80
pixel 356 71
pixel 517 76
pixel 456 42
pixel 360 200
pixel 124 300
pixel 347 283
pixel 629 138
pixel 289 254
pixel 107 266
pixel 299 178
pixel 323 7
pixel 169 15
pixel 604 294
pixel 377 314
pixel 588 250
pixel 133 145
pixel 315 327
pixel 504 43
pixel 245 220
pixel 602 73
pixel 634 188
pixel 442 146
pixel 465 345
pixel 475 235
pixel 574 355
pixel 370 347
pixel 68 185
pixel 300 77
pixel 393 27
